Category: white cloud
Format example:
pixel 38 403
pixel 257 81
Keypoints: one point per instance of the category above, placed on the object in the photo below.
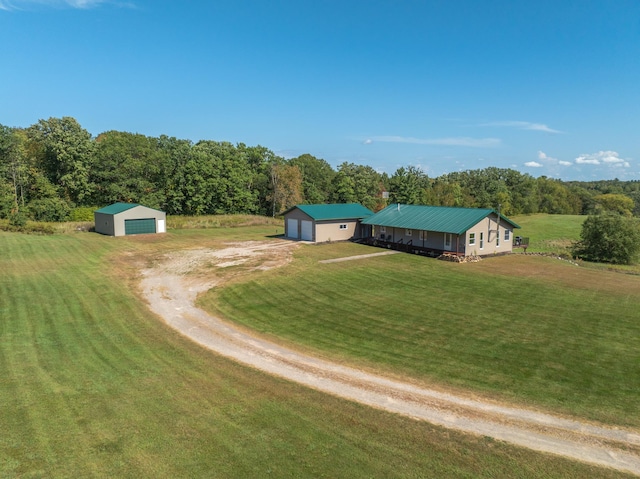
pixel 542 156
pixel 523 125
pixel 533 164
pixel 453 141
pixel 610 158
pixel 368 141
pixel 587 161
pixel 565 163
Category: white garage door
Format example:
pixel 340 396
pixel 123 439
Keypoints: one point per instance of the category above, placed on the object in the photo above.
pixel 292 228
pixel 306 228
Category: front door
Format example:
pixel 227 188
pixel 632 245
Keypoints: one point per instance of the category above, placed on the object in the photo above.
pixel 447 241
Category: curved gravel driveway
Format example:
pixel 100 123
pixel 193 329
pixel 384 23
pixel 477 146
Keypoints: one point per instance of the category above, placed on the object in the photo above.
pixel 171 293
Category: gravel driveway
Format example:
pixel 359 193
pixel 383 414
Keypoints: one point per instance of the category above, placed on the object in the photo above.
pixel 172 285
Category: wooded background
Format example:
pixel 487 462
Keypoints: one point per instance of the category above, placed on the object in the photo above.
pixel 53 169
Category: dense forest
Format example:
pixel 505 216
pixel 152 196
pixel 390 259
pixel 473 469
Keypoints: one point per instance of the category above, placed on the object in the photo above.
pixel 55 167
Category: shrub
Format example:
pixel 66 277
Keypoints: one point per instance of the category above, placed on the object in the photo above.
pixel 609 238
pixel 82 214
pixel 49 209
pixel 17 219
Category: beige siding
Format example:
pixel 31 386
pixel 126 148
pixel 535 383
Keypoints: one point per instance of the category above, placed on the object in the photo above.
pixel 331 231
pixel 488 229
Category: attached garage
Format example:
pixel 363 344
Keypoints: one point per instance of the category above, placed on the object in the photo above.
pixel 120 219
pixel 322 223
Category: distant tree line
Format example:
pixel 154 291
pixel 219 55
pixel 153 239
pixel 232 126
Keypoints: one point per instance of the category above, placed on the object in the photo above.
pixel 55 166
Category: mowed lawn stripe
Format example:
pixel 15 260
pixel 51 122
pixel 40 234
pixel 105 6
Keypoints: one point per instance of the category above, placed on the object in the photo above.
pixel 95 386
pixel 558 344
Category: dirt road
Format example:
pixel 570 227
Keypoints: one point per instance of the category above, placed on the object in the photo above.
pixel 172 285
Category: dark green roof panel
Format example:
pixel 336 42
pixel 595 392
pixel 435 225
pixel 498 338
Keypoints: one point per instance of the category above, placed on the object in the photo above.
pixel 116 208
pixel 335 211
pixel 443 219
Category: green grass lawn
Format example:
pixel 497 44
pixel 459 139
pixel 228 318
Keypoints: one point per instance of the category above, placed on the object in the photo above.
pixel 550 233
pixel 93 385
pixel 528 329
pixel 556 233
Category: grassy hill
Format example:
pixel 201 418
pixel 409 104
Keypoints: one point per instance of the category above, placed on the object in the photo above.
pixel 93 385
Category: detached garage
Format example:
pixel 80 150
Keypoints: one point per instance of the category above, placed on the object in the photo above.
pixel 120 219
pixel 321 223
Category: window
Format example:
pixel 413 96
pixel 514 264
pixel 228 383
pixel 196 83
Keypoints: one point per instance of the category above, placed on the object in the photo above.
pixel 507 234
pixel 343 227
pixel 408 232
pixel 383 229
pixel 497 239
pixel 423 235
pixel 472 239
pixel 481 240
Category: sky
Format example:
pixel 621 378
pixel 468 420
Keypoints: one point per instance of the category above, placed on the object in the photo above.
pixel 544 87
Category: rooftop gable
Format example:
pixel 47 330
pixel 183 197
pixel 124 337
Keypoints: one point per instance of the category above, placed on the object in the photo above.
pixel 443 219
pixel 337 211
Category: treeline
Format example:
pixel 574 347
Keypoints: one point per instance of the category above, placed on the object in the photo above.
pixel 55 167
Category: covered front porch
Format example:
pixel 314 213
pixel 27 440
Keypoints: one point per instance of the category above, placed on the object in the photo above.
pixel 427 243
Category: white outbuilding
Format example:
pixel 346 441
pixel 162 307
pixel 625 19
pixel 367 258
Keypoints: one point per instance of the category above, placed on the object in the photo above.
pixel 120 219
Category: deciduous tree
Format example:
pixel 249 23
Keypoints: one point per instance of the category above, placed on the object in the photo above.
pixel 65 154
pixel 609 238
pixel 409 186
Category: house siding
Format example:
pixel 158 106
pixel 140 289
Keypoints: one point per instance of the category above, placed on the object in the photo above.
pixel 488 227
pixel 330 230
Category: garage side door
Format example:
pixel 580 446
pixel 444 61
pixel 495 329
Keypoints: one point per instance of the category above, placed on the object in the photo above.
pixel 306 230
pixel 292 228
pixel 141 226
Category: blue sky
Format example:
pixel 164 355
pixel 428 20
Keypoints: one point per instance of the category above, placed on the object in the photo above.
pixel 545 87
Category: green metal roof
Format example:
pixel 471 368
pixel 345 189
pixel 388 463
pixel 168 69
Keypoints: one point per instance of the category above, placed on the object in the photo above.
pixel 116 208
pixel 443 219
pixel 338 211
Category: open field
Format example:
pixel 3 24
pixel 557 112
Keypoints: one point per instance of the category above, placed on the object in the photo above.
pixel 550 233
pixel 93 385
pixel 528 329
pixel 556 233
